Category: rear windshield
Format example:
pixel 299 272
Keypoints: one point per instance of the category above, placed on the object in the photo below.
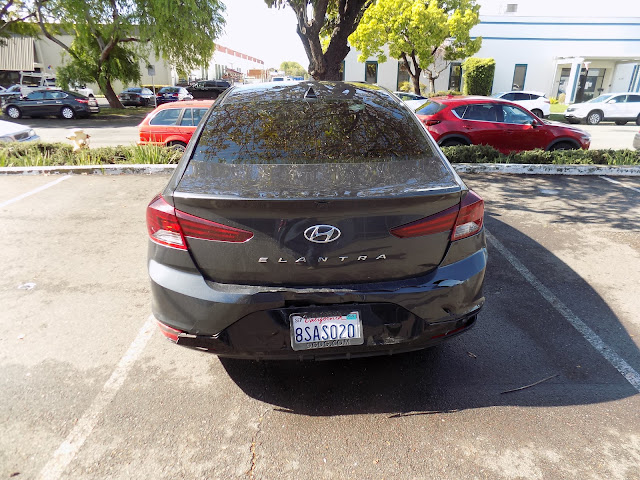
pixel 327 131
pixel 429 108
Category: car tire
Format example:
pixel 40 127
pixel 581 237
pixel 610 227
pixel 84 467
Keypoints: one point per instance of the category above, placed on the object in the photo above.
pixel 537 112
pixel 14 112
pixel 564 146
pixel 453 142
pixel 594 117
pixel 638 120
pixel 179 146
pixel 67 113
pixel 621 122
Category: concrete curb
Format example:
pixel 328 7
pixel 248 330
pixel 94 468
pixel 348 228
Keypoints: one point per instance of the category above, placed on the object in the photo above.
pixel 542 169
pixel 508 168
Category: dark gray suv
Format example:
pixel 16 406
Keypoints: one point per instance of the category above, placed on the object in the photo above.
pixel 314 220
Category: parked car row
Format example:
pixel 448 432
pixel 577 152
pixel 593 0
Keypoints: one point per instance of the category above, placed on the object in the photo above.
pixel 618 107
pixel 506 126
pixel 42 103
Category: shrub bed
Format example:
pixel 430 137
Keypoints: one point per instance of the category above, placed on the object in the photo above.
pixel 486 154
pixel 34 154
pixel 41 154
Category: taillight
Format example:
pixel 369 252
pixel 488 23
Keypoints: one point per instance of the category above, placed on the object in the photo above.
pixel 171 333
pixel 430 122
pixel 470 218
pixel 82 100
pixel 461 220
pixel 163 225
pixel 438 223
pixel 196 227
pixel 175 95
pixel 170 227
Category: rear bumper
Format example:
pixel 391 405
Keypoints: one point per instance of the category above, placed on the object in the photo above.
pixel 253 322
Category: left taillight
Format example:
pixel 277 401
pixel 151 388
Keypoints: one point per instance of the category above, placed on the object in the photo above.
pixel 171 228
pixel 163 226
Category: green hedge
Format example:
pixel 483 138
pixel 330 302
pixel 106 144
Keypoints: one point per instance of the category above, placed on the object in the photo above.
pixel 486 154
pixel 54 154
pixel 478 75
pixel 34 154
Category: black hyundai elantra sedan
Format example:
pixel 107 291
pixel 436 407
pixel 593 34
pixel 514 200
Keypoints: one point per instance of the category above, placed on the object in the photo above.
pixel 314 220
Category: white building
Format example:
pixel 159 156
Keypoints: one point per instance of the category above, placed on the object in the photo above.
pixel 543 46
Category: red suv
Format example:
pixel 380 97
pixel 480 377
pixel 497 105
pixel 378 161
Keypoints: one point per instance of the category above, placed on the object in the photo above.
pixel 173 124
pixel 503 125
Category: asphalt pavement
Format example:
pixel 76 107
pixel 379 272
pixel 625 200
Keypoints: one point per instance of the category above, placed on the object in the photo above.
pixel 545 386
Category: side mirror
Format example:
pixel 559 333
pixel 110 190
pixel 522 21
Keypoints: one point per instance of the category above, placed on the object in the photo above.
pixel 535 123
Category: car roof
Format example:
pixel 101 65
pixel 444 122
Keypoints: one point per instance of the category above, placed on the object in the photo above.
pixel 466 99
pixel 190 103
pixel 522 91
pixel 310 89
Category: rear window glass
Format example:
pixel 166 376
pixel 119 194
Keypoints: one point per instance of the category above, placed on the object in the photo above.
pixel 166 117
pixel 327 131
pixel 429 108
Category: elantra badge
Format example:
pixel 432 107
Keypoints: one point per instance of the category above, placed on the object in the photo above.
pixel 322 233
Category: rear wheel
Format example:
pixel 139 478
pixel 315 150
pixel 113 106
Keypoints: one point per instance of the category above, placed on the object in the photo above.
pixel 67 113
pixel 537 112
pixel 564 146
pixel 179 146
pixel 14 112
pixel 594 117
pixel 452 142
pixel 621 122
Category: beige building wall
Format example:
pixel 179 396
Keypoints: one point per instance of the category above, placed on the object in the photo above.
pixel 49 56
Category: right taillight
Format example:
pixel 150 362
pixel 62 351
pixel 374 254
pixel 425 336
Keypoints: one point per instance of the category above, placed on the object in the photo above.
pixel 470 218
pixel 170 227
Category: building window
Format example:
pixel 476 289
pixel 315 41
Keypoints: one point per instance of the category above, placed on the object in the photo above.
pixel 519 75
pixel 455 76
pixel 342 71
pixel 371 72
pixel 403 75
pixel 512 7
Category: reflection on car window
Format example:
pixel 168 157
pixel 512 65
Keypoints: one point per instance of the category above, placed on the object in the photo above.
pixel 430 108
pixel 515 115
pixel 459 111
pixel 187 118
pixel 633 98
pixel 55 95
pixel 166 117
pixel 198 113
pixel 286 132
pixel 618 99
pixel 36 96
pixel 485 112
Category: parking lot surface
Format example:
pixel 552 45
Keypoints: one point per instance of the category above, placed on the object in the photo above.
pixel 544 387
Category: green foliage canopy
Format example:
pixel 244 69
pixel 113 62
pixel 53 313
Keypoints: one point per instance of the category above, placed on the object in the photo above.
pixel 423 34
pixel 293 69
pixel 111 37
pixel 478 75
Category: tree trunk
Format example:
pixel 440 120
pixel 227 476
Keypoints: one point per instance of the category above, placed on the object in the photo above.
pixel 432 84
pixel 110 94
pixel 415 80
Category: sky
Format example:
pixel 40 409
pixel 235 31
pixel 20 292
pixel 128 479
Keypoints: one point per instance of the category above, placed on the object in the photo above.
pixel 264 33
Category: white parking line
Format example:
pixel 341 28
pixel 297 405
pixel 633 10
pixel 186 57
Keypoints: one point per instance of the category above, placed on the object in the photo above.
pixel 615 182
pixel 34 191
pixel 589 335
pixel 67 451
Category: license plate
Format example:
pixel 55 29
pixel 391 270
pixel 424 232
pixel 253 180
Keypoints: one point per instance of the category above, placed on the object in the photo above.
pixel 309 331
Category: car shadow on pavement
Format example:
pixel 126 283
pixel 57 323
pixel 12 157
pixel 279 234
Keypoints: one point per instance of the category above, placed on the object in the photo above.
pixel 520 339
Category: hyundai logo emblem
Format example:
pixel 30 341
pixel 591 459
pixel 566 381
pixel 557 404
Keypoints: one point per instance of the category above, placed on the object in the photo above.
pixel 322 233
